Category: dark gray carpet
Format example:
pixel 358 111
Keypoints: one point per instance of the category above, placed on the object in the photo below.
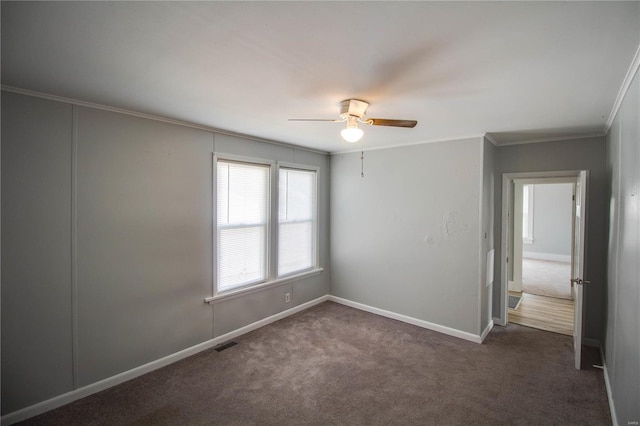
pixel 513 301
pixel 334 365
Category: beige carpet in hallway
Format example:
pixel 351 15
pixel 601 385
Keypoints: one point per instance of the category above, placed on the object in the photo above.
pixel 546 278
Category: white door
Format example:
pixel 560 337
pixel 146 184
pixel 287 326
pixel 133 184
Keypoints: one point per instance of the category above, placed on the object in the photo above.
pixel 516 283
pixel 578 262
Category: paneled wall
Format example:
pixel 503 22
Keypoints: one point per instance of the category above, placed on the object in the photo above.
pixel 143 214
pixel 37 335
pixel 622 337
pixel 107 235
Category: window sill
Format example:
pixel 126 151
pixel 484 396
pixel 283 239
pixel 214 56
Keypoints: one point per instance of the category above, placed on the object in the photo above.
pixel 262 286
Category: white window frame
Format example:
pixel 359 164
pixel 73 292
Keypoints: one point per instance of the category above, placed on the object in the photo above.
pixel 268 227
pixel 315 248
pixel 272 229
pixel 528 238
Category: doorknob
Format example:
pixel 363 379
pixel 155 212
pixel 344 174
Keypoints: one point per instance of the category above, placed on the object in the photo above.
pixel 579 281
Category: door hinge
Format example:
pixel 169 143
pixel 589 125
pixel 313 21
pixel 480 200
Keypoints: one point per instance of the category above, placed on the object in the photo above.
pixel 507 259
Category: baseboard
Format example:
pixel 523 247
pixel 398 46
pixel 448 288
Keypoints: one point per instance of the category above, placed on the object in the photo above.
pixel 109 382
pixel 607 385
pixel 498 321
pixel 546 256
pixel 409 320
pixel 486 331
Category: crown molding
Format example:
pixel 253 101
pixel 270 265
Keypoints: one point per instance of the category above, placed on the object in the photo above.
pixel 555 139
pixel 168 120
pixel 401 145
pixel 626 83
pixel 490 138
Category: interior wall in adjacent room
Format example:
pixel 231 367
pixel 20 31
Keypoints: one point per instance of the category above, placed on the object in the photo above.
pixel 552 212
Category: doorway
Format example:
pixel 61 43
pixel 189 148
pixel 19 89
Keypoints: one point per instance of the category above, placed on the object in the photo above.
pixel 516 232
pixel 540 292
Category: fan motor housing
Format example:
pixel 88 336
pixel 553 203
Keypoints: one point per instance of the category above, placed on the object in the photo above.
pixel 353 108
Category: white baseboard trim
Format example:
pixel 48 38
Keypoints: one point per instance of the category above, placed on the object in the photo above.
pixel 486 331
pixel 498 321
pixel 109 382
pixel 607 385
pixel 546 256
pixel 409 320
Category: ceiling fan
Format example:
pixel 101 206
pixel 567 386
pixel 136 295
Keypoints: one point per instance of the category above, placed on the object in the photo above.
pixel 352 111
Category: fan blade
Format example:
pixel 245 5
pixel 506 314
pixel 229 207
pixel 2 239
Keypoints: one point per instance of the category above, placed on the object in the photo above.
pixel 393 123
pixel 314 119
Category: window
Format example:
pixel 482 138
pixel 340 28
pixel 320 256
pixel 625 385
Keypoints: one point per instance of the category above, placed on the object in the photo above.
pixel 247 216
pixel 527 214
pixel 242 223
pixel 296 220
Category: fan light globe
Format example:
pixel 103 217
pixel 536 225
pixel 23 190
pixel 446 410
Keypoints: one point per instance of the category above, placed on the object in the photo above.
pixel 352 134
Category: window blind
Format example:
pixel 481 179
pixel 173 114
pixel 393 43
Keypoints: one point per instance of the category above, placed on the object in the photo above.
pixel 242 216
pixel 296 220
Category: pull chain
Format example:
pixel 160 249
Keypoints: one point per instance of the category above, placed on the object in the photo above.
pixel 362 159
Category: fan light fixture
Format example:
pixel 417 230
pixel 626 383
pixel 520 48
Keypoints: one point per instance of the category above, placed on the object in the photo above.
pixel 352 133
pixel 353 112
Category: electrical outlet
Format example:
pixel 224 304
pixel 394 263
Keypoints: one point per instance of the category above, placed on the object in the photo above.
pixel 287 297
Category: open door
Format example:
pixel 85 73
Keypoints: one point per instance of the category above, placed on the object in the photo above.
pixel 578 262
pixel 515 284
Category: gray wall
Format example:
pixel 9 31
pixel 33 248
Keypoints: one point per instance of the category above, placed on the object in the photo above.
pixel 578 154
pixel 143 241
pixel 551 219
pixel 37 361
pixel 405 238
pixel 487 231
pixel 107 244
pixel 622 337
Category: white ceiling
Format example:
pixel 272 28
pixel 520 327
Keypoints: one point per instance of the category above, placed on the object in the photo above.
pixel 519 70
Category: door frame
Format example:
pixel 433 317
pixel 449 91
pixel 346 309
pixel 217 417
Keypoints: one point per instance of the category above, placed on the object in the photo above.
pixel 508 181
pixel 517 220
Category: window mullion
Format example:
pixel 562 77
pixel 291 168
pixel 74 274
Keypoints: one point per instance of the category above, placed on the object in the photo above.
pixel 273 224
pixel 228 192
